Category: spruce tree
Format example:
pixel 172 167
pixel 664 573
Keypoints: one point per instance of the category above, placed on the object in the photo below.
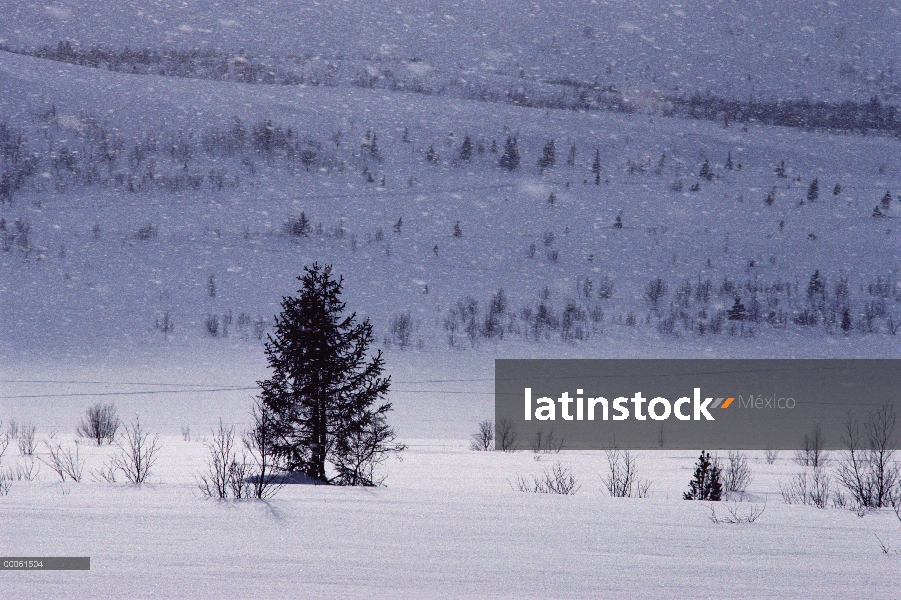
pixel 466 149
pixel 887 201
pixel 596 167
pixel 548 156
pixel 707 481
pixel 325 401
pixel 738 311
pixel 813 192
pixel 510 158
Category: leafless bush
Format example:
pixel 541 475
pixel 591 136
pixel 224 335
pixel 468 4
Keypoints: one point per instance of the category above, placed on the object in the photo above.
pixel 735 514
pixel 811 453
pixel 25 438
pixel 226 473
pixel 137 453
pixel 557 480
pixel 100 424
pixel 186 433
pixel 363 451
pixel 771 456
pixel 507 436
pixel 5 486
pixel 545 442
pixel 622 479
pixel 106 473
pixel 483 439
pixel 402 329
pixel 257 441
pixel 868 469
pixel 24 471
pixel 4 443
pixel 813 488
pixel 736 472
pixel 64 463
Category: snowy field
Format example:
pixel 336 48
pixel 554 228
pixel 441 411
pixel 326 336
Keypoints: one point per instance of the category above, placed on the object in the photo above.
pixel 151 224
pixel 448 524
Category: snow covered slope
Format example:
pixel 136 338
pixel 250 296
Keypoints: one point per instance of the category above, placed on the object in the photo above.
pixel 766 48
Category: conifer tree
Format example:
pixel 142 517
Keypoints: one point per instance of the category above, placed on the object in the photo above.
pixel 325 402
pixel 466 149
pixel 510 158
pixel 548 156
pixel 887 201
pixel 813 192
pixel 596 167
pixel 738 311
pixel 707 481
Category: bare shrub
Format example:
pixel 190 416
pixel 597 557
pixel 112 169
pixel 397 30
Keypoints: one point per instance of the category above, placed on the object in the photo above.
pixel 106 473
pixel 258 442
pixel 545 443
pixel 26 470
pixel 226 475
pixel 735 514
pixel 812 488
pixel 736 472
pixel 186 433
pixel 100 424
pixel 868 469
pixel 402 329
pixel 64 463
pixel 5 486
pixel 771 456
pixel 507 436
pixel 557 480
pixel 622 477
pixel 811 453
pixel 483 439
pixel 137 453
pixel 363 451
pixel 4 443
pixel 25 437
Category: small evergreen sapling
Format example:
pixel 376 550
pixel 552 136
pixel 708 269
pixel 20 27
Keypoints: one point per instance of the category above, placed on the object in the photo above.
pixel 707 481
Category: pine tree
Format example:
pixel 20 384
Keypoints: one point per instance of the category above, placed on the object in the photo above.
pixel 373 146
pixel 707 481
pixel 729 160
pixel 813 192
pixel 706 171
pixel 325 401
pixel 548 156
pixel 887 201
pixel 510 158
pixel 466 149
pixel 571 159
pixel 816 286
pixel 737 312
pixel 846 320
pixel 596 167
pixel 431 155
pixel 836 190
pixel 780 170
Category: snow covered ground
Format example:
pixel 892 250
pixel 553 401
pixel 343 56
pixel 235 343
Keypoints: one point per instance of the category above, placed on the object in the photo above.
pixel 149 232
pixel 448 524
